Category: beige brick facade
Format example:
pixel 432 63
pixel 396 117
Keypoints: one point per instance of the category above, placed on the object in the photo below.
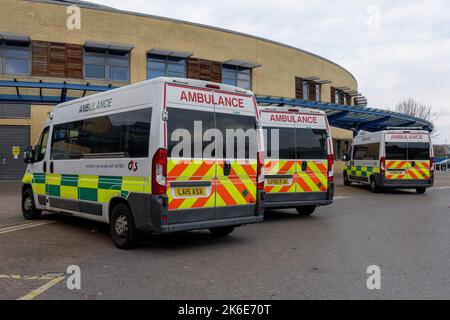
pixel 280 64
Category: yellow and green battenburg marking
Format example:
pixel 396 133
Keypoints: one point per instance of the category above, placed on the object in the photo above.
pixel 362 171
pixel 86 187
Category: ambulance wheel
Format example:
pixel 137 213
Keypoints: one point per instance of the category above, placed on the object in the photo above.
pixel 306 211
pixel 29 210
pixel 421 190
pixel 346 180
pixel 221 231
pixel 122 228
pixel 373 186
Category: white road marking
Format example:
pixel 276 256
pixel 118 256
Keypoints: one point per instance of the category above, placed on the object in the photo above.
pixel 25 226
pixel 341 198
pixel 440 188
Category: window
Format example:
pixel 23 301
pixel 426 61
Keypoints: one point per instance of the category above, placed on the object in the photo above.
pixel 418 151
pixel 165 66
pixel 124 133
pixel 305 90
pixel 104 64
pixel 181 126
pixel 311 144
pixel 237 76
pixel 41 147
pixel 318 92
pixel 242 144
pixel 285 138
pixel 396 151
pixel 14 58
pixel 369 151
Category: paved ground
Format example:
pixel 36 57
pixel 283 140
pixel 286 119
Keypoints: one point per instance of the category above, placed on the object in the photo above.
pixel 286 257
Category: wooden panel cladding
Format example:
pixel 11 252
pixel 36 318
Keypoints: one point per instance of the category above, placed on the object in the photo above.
pixel 74 54
pixel 333 95
pixel 40 51
pixel 206 70
pixel 57 63
pixel 298 88
pixel 312 91
pixel 59 60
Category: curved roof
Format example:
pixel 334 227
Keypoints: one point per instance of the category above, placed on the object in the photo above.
pixel 341 116
pixel 90 5
pixel 353 117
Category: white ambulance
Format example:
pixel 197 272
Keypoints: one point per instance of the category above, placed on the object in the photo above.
pixel 397 158
pixel 298 160
pixel 151 157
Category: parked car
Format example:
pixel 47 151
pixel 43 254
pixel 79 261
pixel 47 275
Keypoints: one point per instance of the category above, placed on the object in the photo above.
pixel 443 165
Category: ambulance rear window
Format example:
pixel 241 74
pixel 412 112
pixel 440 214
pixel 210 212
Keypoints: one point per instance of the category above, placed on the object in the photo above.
pixel 396 150
pixel 280 143
pixel 311 144
pixel 418 151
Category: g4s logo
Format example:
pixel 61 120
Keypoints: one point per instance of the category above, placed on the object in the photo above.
pixel 132 166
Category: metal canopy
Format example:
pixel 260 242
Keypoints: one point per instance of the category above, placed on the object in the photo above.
pixel 341 116
pixel 352 117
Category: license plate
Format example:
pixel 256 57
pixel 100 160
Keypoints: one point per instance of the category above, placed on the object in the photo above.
pixel 396 172
pixel 277 182
pixel 190 192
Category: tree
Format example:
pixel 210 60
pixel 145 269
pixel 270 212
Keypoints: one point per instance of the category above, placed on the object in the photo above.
pixel 417 109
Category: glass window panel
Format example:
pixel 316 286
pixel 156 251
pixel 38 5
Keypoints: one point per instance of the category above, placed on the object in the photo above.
pixel 176 74
pixel 94 71
pixel 118 74
pixel 244 84
pixel 184 119
pixel 176 67
pixel 16 52
pixel 1 65
pixel 227 73
pixel 14 66
pixel 156 65
pixel 94 58
pixel 285 142
pixel 119 62
pixel 396 151
pixel 418 151
pixel 311 144
pixel 231 82
pixel 155 74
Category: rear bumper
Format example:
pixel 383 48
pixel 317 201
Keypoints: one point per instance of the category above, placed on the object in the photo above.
pixel 151 214
pixel 293 200
pixel 403 184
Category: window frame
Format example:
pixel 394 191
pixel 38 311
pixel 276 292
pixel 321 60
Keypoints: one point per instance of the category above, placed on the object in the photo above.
pixel 4 57
pixel 237 70
pixel 167 62
pixel 107 55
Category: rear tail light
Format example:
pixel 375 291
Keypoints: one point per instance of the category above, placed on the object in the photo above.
pixel 383 165
pixel 260 171
pixel 330 168
pixel 159 172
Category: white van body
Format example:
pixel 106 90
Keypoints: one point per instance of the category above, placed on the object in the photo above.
pixel 301 174
pixel 114 148
pixel 391 159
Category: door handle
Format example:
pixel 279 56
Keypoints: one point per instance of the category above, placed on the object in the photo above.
pixel 51 167
pixel 226 168
pixel 44 166
pixel 304 166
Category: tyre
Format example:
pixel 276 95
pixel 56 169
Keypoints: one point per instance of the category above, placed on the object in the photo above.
pixel 29 210
pixel 221 231
pixel 373 186
pixel 122 228
pixel 444 167
pixel 421 190
pixel 346 180
pixel 306 211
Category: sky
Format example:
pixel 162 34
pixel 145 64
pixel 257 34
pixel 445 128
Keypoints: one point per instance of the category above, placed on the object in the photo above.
pixel 395 49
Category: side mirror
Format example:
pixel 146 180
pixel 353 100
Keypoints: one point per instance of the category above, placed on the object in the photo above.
pixel 28 155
